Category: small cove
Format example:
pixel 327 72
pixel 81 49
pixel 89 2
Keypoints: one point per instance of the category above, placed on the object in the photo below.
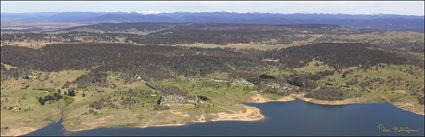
pixel 284 118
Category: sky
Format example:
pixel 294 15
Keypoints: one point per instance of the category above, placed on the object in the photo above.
pixel 330 7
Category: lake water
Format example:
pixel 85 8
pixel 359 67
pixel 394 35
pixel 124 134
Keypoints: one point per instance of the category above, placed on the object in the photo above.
pixel 290 118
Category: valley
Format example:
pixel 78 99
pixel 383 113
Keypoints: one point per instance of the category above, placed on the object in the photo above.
pixel 161 74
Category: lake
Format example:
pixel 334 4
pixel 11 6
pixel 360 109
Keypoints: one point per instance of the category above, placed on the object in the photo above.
pixel 290 118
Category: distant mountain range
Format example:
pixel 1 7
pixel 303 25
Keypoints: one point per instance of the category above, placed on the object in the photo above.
pixel 391 22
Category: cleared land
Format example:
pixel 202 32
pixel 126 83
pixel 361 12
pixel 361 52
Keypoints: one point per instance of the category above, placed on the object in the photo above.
pixel 143 75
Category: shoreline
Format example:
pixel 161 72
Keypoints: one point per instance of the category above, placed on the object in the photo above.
pixel 250 113
pixel 410 108
pixel 403 106
pixel 257 98
pixel 18 131
pixel 335 102
pixel 254 114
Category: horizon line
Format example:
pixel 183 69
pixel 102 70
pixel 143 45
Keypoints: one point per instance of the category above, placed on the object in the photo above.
pixel 237 12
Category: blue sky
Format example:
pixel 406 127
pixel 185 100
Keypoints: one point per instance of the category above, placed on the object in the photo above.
pixel 348 7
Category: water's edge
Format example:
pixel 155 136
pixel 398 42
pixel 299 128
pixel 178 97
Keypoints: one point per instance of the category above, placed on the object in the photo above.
pixel 269 116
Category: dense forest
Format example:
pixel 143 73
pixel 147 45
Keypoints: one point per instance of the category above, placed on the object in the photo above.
pixel 165 62
pixel 340 55
pixel 192 61
pixel 152 52
pixel 129 73
pixel 222 34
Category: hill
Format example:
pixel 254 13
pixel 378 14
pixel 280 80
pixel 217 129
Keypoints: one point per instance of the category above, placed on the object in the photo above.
pixel 387 22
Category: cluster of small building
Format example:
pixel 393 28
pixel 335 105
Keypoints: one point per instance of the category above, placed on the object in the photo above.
pixel 169 100
pixel 243 83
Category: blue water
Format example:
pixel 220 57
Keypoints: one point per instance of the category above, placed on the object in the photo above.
pixel 290 118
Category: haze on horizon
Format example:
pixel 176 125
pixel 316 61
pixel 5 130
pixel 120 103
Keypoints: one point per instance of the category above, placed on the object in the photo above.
pixel 150 7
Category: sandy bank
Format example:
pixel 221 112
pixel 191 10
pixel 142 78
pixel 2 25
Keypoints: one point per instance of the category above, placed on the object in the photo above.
pixel 405 106
pixel 249 114
pixel 258 98
pixel 335 102
pixel 411 108
pixel 163 125
pixel 17 131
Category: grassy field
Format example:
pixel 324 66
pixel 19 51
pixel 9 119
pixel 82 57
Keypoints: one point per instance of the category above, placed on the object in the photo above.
pixel 20 109
pixel 258 67
pixel 22 94
pixel 389 83
pixel 223 98
pixel 380 83
pixel 314 67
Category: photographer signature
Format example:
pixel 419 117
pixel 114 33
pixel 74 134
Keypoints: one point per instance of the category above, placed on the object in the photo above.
pixel 399 129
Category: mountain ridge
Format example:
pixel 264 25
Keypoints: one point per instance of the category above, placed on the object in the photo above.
pixel 378 21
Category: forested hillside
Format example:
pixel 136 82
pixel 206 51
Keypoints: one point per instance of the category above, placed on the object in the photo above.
pixel 123 74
